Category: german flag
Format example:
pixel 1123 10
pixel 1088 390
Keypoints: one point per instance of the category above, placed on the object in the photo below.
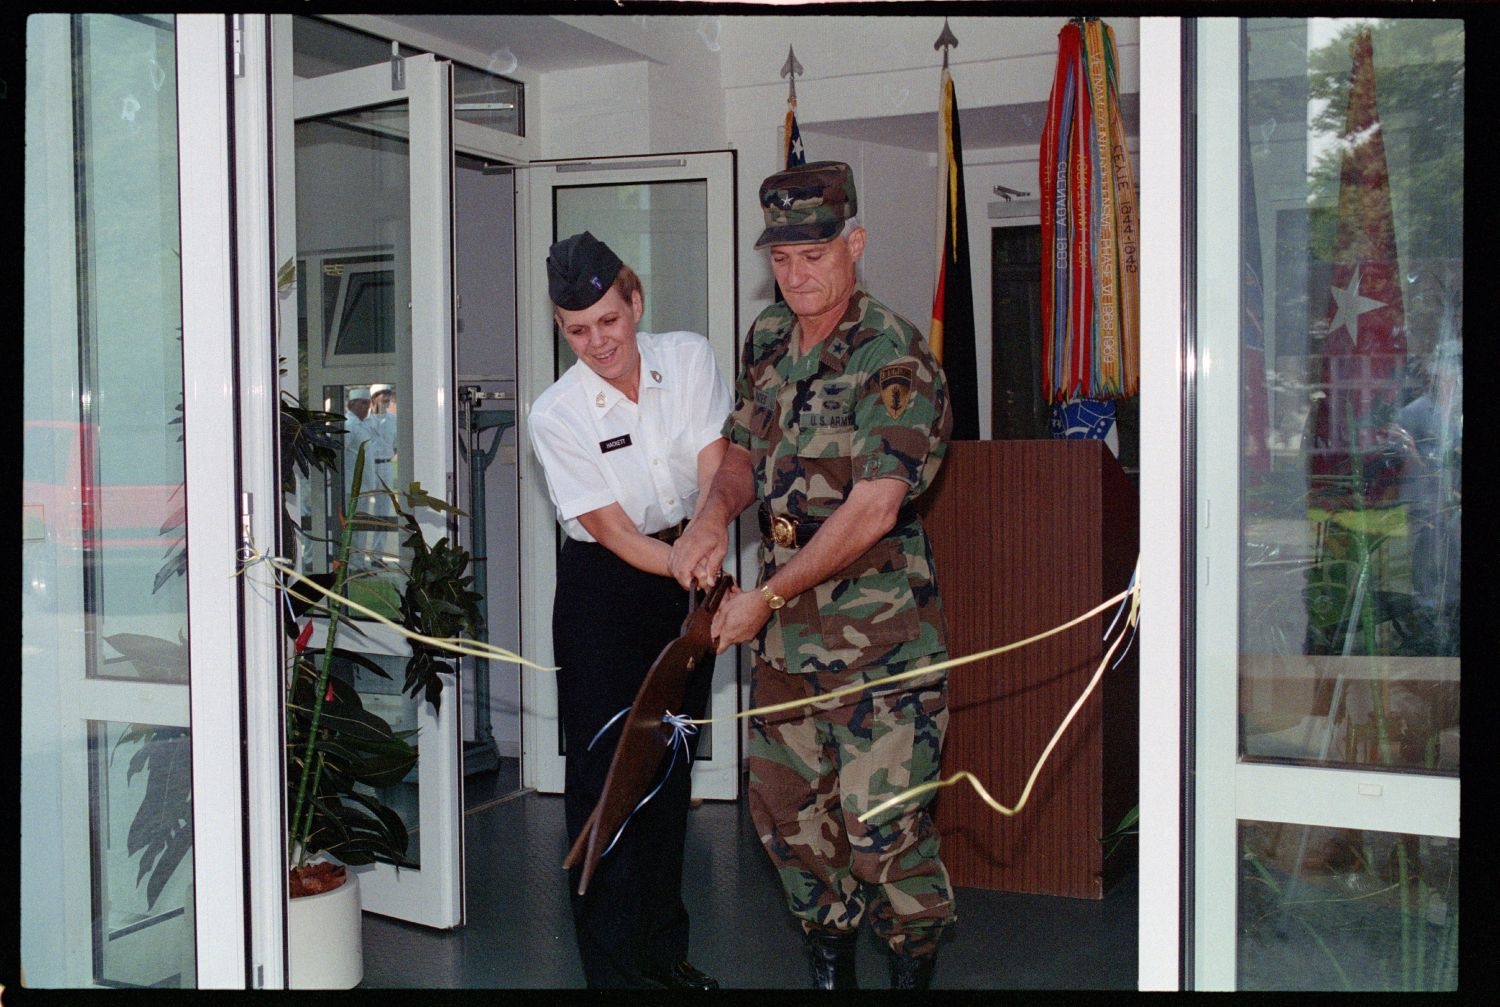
pixel 951 334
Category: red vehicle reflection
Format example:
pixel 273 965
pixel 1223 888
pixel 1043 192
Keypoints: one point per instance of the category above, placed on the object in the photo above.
pixel 73 510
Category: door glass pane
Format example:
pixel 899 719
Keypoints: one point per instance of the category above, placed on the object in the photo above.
pixel 383 698
pixel 354 360
pixel 141 777
pixel 322 47
pixel 487 99
pixel 354 333
pixel 107 846
pixel 1352 397
pixel 660 230
pixel 480 96
pixel 1345 909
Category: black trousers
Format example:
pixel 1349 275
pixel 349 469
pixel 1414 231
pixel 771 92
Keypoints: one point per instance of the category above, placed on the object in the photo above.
pixel 609 622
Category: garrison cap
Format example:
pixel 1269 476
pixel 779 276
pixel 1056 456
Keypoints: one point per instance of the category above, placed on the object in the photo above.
pixel 579 271
pixel 807 204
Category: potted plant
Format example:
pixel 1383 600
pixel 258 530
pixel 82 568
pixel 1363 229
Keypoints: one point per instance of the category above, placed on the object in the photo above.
pixel 333 746
pixel 339 755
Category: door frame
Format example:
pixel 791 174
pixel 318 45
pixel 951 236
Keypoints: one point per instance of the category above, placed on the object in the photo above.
pixel 259 504
pixel 209 702
pixel 1162 900
pixel 541 765
pixel 434 894
pixel 1228 789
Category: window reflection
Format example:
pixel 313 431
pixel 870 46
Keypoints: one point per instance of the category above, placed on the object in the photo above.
pixel 354 337
pixel 481 96
pixel 107 847
pixel 1352 398
pixel 143 867
pixel 1345 909
pixel 370 425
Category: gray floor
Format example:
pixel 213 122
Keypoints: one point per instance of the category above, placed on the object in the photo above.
pixel 519 932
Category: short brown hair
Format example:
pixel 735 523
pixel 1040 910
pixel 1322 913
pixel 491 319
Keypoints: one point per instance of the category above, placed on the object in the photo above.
pixel 627 283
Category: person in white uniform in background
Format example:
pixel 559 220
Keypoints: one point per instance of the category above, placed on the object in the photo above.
pixel 629 438
pixel 357 432
pixel 381 462
pixel 382 421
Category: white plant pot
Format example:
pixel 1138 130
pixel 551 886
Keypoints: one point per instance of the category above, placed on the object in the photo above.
pixel 324 937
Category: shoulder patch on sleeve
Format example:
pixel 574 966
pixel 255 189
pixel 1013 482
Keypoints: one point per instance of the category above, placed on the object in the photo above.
pixel 895 388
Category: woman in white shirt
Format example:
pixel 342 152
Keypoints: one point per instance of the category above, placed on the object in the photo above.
pixel 629 438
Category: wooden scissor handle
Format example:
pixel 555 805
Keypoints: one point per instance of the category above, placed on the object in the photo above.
pixel 710 600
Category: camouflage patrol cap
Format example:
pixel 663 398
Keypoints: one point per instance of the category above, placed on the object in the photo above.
pixel 807 204
pixel 579 270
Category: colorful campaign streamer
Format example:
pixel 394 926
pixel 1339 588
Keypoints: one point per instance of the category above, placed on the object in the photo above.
pixel 1090 227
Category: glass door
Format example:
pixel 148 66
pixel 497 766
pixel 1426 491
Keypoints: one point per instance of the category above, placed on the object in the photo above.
pixel 1330 331
pixel 366 296
pixel 662 216
pixel 131 828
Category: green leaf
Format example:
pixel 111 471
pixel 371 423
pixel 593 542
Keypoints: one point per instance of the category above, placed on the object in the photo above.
pixel 416 496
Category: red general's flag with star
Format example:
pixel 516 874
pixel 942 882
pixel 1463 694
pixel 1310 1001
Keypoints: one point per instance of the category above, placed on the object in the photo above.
pixel 1364 350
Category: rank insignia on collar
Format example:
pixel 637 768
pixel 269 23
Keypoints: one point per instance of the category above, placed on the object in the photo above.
pixel 895 389
pixel 656 376
pixel 599 400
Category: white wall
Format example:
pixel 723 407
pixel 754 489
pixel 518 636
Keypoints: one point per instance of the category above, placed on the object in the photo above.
pixel 899 263
pixel 670 100
pixel 594 111
pixel 860 68
pixel 709 82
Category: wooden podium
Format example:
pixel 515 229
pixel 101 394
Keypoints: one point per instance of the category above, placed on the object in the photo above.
pixel 1028 535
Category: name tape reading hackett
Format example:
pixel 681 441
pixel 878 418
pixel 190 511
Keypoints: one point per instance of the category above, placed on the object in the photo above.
pixel 614 444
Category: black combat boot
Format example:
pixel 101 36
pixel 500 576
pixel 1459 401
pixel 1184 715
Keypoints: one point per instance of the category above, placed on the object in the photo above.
pixel 831 953
pixel 909 973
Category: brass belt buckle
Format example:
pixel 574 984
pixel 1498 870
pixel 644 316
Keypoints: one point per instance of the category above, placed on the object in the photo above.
pixel 784 531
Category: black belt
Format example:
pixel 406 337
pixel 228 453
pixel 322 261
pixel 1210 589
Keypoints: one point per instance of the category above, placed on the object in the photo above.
pixel 669 535
pixel 794 532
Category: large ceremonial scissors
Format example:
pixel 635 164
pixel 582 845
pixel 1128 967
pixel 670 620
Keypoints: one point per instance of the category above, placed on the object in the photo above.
pixel 648 734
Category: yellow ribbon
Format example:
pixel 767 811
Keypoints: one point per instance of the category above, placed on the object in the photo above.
pixel 1036 770
pixel 1133 592
pixel 473 648
pixel 477 648
pixel 928 669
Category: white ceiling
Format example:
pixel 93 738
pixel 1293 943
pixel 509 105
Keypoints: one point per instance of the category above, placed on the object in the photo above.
pixel 537 42
pixel 541 44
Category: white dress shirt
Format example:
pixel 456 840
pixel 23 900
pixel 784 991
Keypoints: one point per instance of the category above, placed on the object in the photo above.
pixel 357 432
pixel 598 448
pixel 382 450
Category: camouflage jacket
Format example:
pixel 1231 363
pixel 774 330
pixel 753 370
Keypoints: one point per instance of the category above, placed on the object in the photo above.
pixel 868 402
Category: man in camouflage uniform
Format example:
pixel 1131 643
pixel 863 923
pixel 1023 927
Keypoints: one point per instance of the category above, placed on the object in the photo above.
pixel 840 423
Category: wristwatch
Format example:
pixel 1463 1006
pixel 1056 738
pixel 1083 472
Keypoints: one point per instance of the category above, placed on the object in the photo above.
pixel 774 601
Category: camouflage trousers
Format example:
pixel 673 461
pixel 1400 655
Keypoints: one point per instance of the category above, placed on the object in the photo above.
pixel 815 769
